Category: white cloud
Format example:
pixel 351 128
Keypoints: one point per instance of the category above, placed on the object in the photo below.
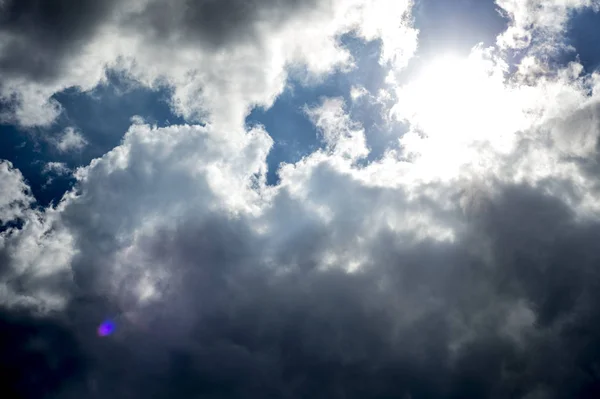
pixel 470 119
pixel 57 168
pixel 342 136
pixel 546 20
pixel 70 140
pixel 390 21
pixel 34 258
pixel 223 84
pixel 356 92
pixel 15 196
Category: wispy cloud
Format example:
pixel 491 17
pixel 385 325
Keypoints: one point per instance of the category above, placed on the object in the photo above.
pixel 69 140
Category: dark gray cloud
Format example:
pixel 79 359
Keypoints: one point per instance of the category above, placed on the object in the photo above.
pixel 30 362
pixel 39 37
pixel 214 23
pixel 432 320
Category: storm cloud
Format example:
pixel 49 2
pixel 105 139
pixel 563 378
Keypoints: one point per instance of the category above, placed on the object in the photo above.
pixel 511 314
pixel 41 36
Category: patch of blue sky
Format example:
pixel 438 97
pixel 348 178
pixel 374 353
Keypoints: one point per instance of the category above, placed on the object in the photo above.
pixel 453 27
pixel 456 25
pixel 29 154
pixel 293 133
pixel 582 34
pixel 101 116
pixel 104 115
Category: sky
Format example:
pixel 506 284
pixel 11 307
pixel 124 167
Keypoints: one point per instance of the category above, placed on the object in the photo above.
pixel 363 199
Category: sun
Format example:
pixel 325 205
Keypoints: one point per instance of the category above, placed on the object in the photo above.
pixel 454 106
pixel 453 96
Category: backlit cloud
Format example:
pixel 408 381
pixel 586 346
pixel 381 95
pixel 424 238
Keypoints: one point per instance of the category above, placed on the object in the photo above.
pixel 460 263
pixel 219 57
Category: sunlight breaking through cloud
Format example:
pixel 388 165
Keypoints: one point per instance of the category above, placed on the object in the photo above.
pixel 438 239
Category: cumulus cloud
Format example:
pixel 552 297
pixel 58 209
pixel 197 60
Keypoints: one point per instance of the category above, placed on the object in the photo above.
pixel 32 251
pixel 218 57
pixel 15 197
pixel 327 285
pixel 462 265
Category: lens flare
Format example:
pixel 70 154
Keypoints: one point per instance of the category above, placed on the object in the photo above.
pixel 106 328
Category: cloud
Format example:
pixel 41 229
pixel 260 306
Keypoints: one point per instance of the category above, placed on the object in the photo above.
pixel 34 250
pixel 322 286
pixel 462 265
pixel 40 36
pixel 15 195
pixel 219 58
pixel 53 169
pixel 341 135
pixel 536 23
pixel 70 140
pixel 356 92
pixel 57 168
pixel 215 24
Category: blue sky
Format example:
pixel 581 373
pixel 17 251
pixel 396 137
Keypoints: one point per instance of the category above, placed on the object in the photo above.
pixel 582 30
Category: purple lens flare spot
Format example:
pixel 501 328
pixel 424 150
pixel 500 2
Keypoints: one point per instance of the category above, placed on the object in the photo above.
pixel 106 328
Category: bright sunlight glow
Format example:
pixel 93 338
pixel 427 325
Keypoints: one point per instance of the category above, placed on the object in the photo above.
pixel 453 108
